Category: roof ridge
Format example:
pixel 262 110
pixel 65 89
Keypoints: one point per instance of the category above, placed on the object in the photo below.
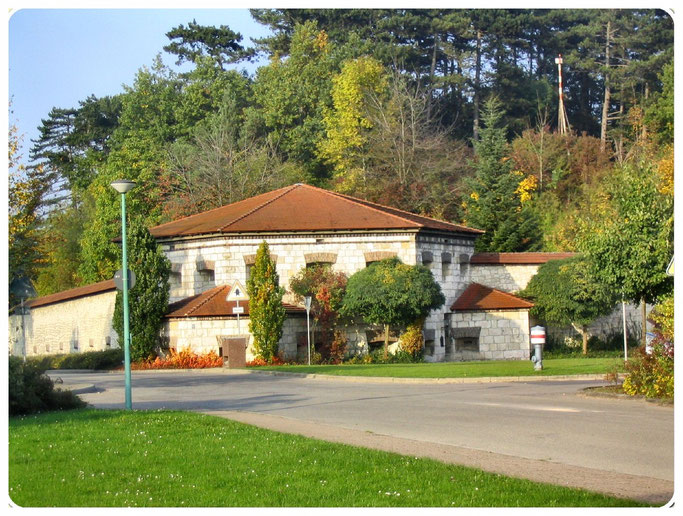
pixel 286 189
pixel 507 294
pixel 206 300
pixel 375 206
pixel 356 200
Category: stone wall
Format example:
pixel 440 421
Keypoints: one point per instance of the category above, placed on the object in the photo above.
pixel 501 334
pixel 77 325
pixel 231 258
pixel 508 278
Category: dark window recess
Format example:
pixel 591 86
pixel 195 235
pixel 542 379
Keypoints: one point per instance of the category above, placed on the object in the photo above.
pixel 467 344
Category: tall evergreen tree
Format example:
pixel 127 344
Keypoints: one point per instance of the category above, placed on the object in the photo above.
pixel 266 312
pixel 494 204
pixel 148 299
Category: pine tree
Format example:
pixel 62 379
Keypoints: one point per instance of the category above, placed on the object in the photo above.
pixel 266 313
pixel 494 205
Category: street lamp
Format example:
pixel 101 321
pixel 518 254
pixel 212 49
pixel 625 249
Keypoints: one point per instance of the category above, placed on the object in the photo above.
pixel 123 186
pixel 307 303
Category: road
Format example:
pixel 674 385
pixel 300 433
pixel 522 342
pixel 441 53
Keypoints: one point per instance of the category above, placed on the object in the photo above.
pixel 538 422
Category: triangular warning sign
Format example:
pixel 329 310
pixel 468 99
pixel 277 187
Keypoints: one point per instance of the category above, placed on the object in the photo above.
pixel 237 292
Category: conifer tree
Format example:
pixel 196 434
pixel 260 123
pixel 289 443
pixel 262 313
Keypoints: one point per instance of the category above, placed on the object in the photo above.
pixel 494 205
pixel 266 313
pixel 148 299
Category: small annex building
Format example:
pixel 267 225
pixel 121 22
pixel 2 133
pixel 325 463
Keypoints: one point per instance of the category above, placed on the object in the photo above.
pixel 214 251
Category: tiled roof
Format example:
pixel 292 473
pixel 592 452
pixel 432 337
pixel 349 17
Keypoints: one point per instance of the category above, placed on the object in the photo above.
pixel 481 297
pixel 74 293
pixel 301 207
pixel 517 258
pixel 213 303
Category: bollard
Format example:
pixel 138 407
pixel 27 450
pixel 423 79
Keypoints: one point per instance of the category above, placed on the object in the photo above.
pixel 537 338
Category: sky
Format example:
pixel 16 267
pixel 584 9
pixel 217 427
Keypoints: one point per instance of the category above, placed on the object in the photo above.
pixel 58 57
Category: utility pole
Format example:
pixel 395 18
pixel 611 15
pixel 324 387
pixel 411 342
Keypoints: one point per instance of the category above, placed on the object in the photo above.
pixel 562 121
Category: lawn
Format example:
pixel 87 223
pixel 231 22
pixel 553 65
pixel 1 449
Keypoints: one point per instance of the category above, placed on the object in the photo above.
pixel 98 458
pixel 551 367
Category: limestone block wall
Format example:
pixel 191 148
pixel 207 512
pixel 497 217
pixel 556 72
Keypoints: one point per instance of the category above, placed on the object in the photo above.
pixel 448 260
pixel 502 334
pixel 508 278
pixel 230 258
pixel 77 325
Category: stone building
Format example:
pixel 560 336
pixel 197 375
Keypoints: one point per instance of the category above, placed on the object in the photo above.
pixel 213 252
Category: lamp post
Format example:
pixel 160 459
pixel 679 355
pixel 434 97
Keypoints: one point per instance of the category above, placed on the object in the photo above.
pixel 123 186
pixel 307 303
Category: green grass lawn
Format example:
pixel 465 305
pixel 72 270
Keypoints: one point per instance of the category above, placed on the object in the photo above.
pixel 101 458
pixel 551 367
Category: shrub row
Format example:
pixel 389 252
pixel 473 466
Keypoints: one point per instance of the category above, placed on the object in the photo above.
pixel 184 359
pixel 31 390
pixel 108 359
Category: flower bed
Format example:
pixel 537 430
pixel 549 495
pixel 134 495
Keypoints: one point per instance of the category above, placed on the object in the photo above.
pixel 184 359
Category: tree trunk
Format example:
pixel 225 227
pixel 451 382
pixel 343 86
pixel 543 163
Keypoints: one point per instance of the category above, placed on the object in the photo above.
pixel 643 307
pixel 584 335
pixel 608 93
pixel 477 78
pixel 386 341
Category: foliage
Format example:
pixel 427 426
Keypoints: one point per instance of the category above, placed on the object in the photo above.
pixel 183 359
pixel 148 299
pixel 31 390
pixel 651 375
pixel 260 362
pixel 660 113
pixel 221 44
pixel 493 204
pixel 662 317
pixel 563 293
pixel 389 292
pixel 266 312
pixel 412 340
pixel 326 288
pixel 338 347
pixel 630 246
pixel 97 360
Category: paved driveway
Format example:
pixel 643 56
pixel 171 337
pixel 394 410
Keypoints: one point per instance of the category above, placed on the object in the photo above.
pixel 536 422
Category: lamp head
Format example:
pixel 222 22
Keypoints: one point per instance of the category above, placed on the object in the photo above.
pixel 123 185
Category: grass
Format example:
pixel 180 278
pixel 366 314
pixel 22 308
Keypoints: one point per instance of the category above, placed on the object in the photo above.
pixel 551 367
pixel 98 458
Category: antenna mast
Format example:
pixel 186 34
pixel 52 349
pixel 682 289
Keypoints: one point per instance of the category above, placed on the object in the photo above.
pixel 562 121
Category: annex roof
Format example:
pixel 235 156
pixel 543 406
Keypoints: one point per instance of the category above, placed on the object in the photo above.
pixel 213 303
pixel 302 208
pixel 480 297
pixel 517 258
pixel 74 293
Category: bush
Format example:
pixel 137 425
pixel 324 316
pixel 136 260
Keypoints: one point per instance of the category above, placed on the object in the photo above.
pixel 31 390
pixel 412 341
pixel 108 359
pixel 184 359
pixel 651 375
pixel 610 346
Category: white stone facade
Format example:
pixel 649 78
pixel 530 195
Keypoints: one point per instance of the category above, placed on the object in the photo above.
pixel 72 326
pixel 494 334
pixel 506 277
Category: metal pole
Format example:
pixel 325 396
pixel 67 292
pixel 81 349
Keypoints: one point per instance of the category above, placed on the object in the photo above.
pixel 23 329
pixel 126 323
pixel 308 333
pixel 623 316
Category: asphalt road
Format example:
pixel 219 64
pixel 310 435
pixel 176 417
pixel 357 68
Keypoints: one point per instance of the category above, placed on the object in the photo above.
pixel 546 421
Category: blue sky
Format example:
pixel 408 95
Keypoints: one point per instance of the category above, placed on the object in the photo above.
pixel 60 56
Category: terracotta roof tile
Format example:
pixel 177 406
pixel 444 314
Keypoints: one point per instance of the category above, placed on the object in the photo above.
pixel 212 303
pixel 517 258
pixel 301 207
pixel 74 293
pixel 481 297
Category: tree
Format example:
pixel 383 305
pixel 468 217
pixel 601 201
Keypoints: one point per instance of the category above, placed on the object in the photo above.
pixel 390 292
pixel 148 299
pixel 221 44
pixel 494 204
pixel 266 312
pixel 564 293
pixel 629 242
pixel 326 288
